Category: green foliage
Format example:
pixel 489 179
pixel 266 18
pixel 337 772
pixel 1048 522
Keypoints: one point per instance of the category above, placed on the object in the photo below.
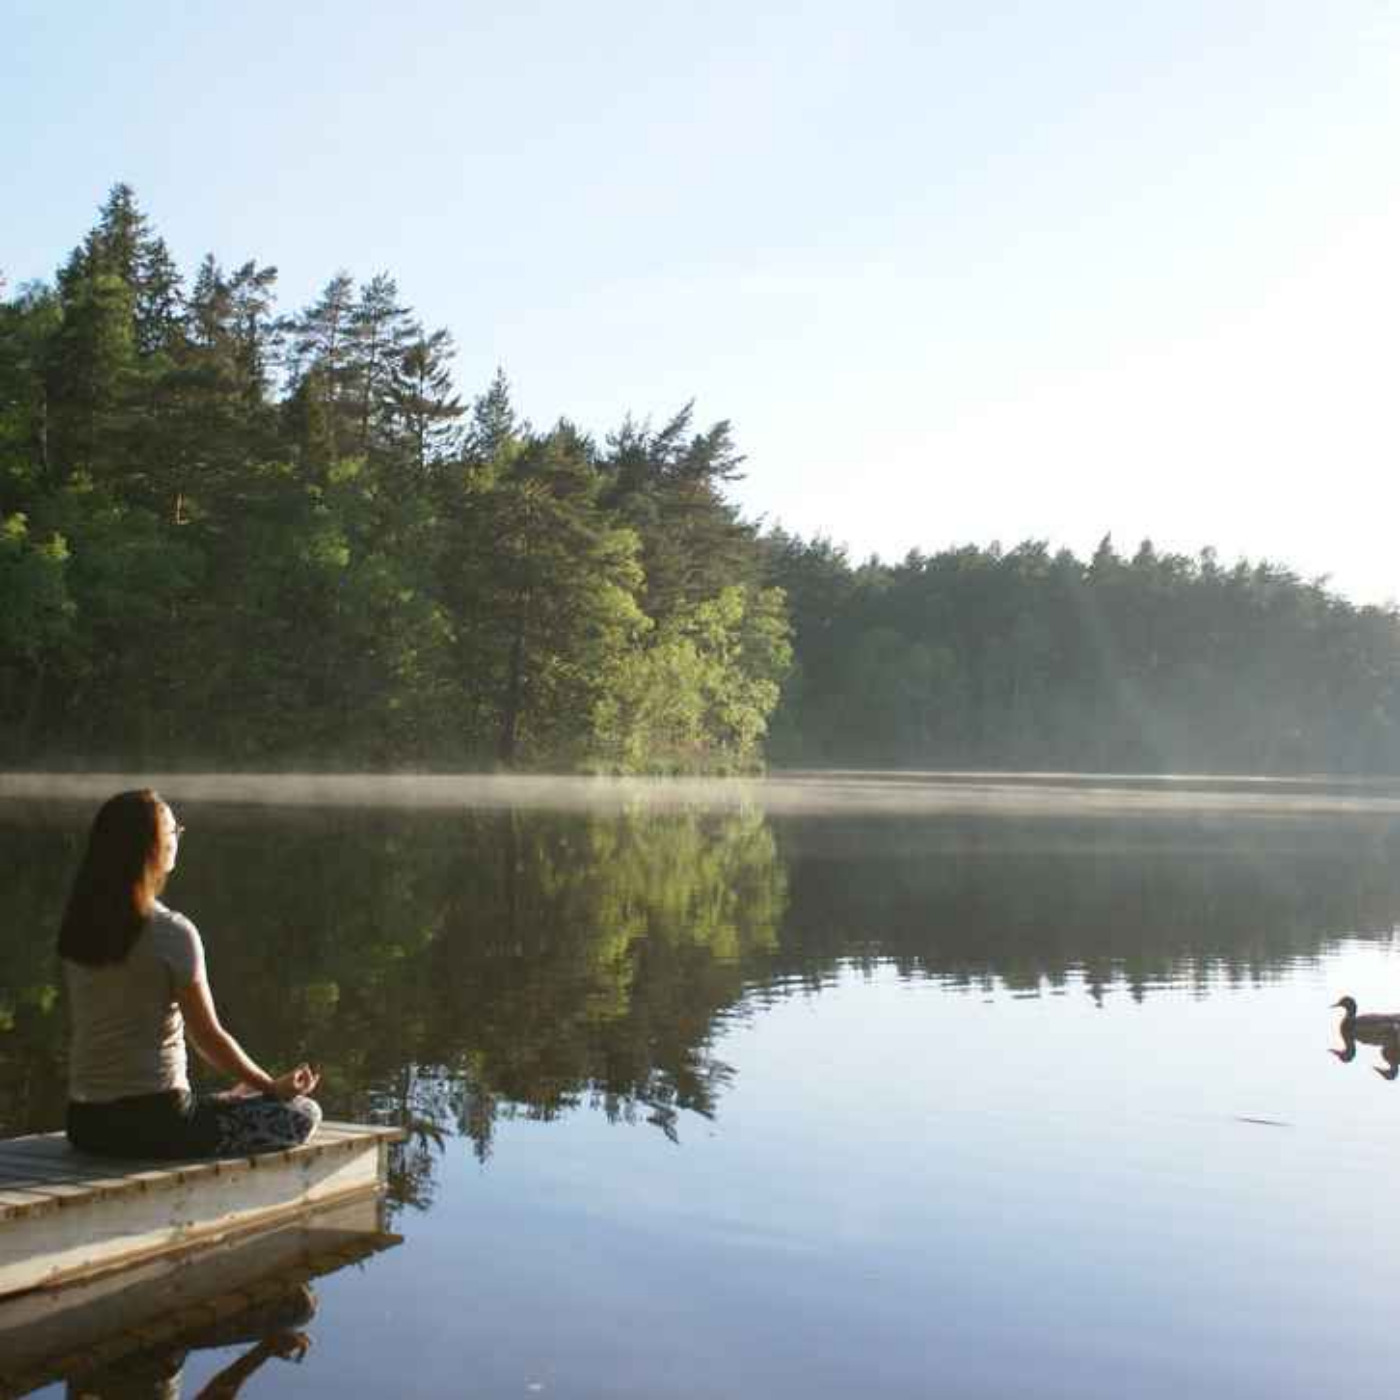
pixel 270 539
pixel 548 588
pixel 1021 658
pixel 33 584
pixel 699 697
pixel 238 537
pixel 36 616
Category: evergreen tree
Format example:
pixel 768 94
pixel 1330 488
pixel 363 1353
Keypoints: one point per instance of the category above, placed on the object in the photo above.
pixel 253 329
pixel 545 590
pixel 29 327
pixel 425 409
pixel 494 431
pixel 381 332
pixel 322 339
pixel 91 377
pixel 668 485
pixel 158 307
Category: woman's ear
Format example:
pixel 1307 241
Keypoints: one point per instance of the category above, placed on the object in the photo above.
pixel 169 840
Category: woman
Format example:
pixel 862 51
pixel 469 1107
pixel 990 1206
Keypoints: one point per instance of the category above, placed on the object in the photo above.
pixel 136 983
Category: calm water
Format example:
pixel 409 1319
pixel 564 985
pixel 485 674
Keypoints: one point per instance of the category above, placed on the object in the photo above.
pixel 713 1101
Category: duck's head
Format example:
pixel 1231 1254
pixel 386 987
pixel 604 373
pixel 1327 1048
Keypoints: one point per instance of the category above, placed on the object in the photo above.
pixel 1348 1004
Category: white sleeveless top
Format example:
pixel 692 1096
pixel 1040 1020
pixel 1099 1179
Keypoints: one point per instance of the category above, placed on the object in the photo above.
pixel 128 1034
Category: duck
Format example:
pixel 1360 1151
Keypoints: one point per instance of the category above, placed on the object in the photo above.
pixel 1377 1028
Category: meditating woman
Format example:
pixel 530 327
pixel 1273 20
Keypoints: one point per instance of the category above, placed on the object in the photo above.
pixel 136 982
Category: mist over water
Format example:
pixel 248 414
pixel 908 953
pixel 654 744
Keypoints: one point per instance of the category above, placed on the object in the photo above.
pixel 814 793
pixel 791 1085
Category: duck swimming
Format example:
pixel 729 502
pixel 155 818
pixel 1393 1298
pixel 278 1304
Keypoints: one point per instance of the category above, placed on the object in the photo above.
pixel 1376 1028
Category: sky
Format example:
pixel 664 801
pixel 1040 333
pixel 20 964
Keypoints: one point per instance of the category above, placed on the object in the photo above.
pixel 956 272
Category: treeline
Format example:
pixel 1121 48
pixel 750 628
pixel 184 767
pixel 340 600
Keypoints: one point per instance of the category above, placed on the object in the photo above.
pixel 234 536
pixel 230 535
pixel 1031 659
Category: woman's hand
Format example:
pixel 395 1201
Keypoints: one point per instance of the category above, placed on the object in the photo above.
pixel 239 1091
pixel 301 1080
pixel 290 1346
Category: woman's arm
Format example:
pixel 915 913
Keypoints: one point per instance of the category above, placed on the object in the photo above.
pixel 214 1043
pixel 221 1050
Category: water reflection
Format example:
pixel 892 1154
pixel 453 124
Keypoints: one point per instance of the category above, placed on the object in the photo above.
pixel 1137 903
pixel 274 1328
pixel 1386 1038
pixel 453 971
pixel 446 974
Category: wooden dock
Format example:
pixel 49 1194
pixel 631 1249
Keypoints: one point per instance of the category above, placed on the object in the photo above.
pixel 66 1216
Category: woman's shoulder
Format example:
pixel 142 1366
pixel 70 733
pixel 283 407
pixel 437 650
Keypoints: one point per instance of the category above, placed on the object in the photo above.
pixel 171 923
pixel 176 942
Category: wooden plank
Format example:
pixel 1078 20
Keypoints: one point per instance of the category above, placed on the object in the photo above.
pixel 114 1185
pixel 379 1130
pixel 59 1190
pixel 13 1201
pixel 29 1166
pixel 55 1148
pixel 57 1144
pixel 41 1248
pixel 57 1221
pixel 78 1171
pixel 172 1176
pixel 49 1158
pixel 38 1142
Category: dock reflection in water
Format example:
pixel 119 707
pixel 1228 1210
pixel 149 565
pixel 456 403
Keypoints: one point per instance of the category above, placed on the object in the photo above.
pixel 157 1372
pixel 129 1333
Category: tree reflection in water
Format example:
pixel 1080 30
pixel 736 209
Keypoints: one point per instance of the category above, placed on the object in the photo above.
pixel 450 971
pixel 445 973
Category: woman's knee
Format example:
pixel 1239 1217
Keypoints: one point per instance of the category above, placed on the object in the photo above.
pixel 306 1116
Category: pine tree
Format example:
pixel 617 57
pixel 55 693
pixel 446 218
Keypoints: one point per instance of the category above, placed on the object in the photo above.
pixel 544 587
pixel 381 331
pixel 494 427
pixel 158 307
pixel 90 377
pixel 29 327
pixel 322 339
pixel 255 332
pixel 425 409
pixel 668 485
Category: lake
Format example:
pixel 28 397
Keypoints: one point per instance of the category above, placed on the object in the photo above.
pixel 895 1085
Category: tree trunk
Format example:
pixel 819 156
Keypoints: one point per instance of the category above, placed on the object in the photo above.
pixel 32 709
pixel 515 689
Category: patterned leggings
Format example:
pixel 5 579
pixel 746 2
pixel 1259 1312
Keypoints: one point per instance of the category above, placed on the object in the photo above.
pixel 177 1124
pixel 263 1124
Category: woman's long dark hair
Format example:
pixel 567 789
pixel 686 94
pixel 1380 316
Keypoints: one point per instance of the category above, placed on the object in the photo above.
pixel 117 883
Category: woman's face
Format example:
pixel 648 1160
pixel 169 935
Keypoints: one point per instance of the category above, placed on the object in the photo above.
pixel 169 839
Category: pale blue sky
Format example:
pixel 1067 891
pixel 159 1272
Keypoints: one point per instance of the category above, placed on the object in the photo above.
pixel 956 271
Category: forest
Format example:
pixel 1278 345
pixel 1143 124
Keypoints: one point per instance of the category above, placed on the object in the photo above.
pixel 241 537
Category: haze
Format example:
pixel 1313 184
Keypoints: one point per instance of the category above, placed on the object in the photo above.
pixel 829 793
